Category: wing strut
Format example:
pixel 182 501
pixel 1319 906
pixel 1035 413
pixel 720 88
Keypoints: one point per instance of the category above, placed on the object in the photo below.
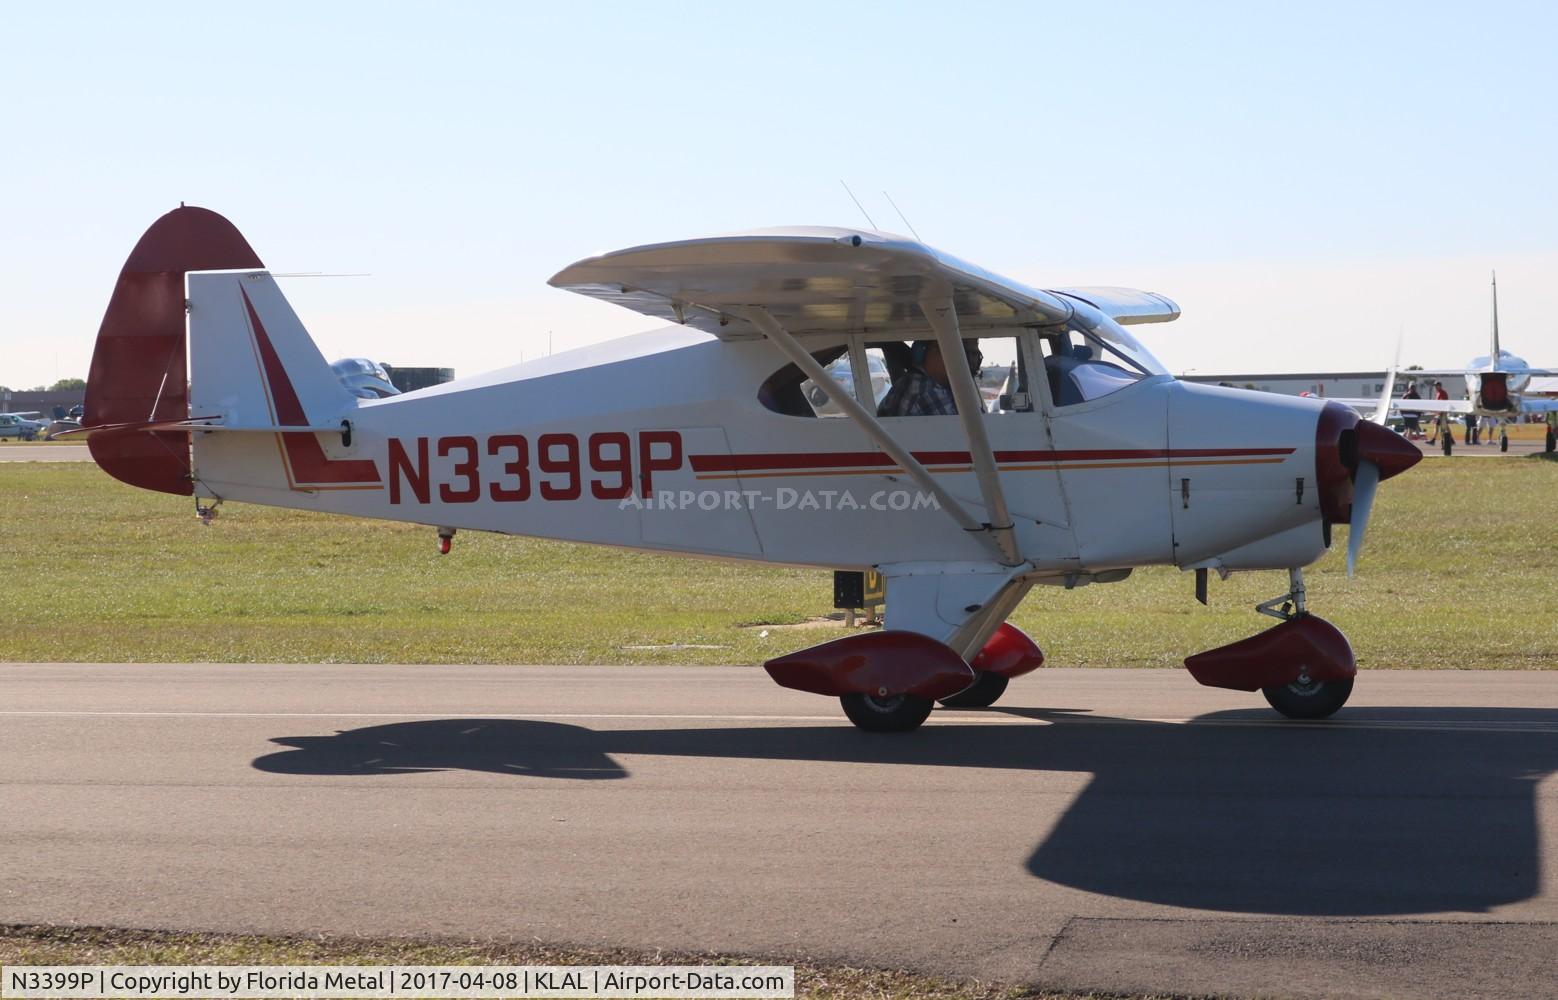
pixel 867 422
pixel 943 318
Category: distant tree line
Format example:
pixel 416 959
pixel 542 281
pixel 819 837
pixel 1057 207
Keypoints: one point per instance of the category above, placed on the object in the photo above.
pixel 63 385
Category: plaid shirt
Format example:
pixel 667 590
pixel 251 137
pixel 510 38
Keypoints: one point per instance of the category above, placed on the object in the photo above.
pixel 917 395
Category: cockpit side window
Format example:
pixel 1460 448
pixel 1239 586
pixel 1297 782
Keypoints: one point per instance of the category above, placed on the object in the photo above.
pixel 1081 367
pixel 1002 379
pixel 999 374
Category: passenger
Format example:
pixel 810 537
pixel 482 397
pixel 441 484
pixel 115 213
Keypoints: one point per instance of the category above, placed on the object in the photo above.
pixel 924 390
pixel 1410 417
pixel 1442 420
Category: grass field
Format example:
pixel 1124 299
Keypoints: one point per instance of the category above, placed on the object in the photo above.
pixel 1460 570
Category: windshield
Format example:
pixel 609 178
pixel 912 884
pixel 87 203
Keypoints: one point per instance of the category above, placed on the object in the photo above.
pixel 1088 360
pixel 1118 342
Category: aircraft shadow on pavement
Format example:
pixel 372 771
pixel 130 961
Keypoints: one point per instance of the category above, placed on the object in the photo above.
pixel 1381 811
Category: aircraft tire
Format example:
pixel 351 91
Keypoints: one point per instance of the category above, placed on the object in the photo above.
pixel 986 689
pixel 1449 445
pixel 1315 700
pixel 1503 443
pixel 1552 440
pixel 897 713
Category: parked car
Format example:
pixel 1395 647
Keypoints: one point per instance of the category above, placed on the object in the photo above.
pixel 19 427
pixel 58 427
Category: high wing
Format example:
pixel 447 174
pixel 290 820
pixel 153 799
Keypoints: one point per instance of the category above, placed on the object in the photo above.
pixel 1127 305
pixel 1417 373
pixel 818 280
pixel 1434 405
pixel 1462 372
pixel 1371 409
pixel 1376 410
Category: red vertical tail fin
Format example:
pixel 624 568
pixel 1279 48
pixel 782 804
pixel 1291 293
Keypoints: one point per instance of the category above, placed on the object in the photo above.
pixel 140 364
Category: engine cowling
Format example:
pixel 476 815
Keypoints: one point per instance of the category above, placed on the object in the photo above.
pixel 1493 394
pixel 1342 440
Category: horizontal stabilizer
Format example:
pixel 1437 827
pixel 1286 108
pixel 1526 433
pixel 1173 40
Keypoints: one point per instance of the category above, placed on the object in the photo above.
pixel 201 424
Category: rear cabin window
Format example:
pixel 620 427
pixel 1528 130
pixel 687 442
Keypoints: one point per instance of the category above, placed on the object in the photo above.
pixel 1001 380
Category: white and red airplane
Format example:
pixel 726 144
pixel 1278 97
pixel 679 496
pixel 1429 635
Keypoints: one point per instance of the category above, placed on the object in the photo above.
pixel 697 439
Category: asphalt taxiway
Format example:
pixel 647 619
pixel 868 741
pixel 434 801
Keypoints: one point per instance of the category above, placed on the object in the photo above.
pixel 1107 830
pixel 1518 447
pixel 44 453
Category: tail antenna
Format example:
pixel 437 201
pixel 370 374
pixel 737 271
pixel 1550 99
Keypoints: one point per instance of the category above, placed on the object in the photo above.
pixel 905 218
pixel 862 208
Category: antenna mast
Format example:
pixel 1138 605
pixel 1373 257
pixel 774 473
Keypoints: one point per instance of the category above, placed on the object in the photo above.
pixel 905 218
pixel 859 206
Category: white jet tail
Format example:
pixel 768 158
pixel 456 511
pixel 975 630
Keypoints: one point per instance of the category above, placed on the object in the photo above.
pixel 1493 352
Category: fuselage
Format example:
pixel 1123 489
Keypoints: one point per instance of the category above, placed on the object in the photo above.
pixel 662 441
pixel 1495 385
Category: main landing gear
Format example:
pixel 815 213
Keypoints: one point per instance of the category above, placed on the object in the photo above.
pixel 984 692
pixel 898 713
pixel 1304 666
pixel 889 681
pixel 895 713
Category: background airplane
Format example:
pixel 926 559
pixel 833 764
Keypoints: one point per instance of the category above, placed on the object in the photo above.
pixel 1496 384
pixel 1500 387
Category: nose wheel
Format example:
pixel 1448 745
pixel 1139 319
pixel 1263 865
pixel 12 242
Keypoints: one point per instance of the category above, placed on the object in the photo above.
pixel 1307 698
pixel 1304 666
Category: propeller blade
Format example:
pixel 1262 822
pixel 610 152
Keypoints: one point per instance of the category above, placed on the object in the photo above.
pixel 1365 483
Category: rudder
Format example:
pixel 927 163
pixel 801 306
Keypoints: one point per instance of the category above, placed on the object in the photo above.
pixel 140 361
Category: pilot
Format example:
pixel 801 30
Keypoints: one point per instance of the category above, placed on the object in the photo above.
pixel 924 390
pixel 1441 420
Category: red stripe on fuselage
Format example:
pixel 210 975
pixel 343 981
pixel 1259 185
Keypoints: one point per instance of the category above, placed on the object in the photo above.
pixel 876 459
pixel 307 464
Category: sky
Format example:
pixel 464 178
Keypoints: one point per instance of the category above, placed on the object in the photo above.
pixel 1309 181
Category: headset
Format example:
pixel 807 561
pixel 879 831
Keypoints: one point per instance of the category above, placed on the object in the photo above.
pixel 921 348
